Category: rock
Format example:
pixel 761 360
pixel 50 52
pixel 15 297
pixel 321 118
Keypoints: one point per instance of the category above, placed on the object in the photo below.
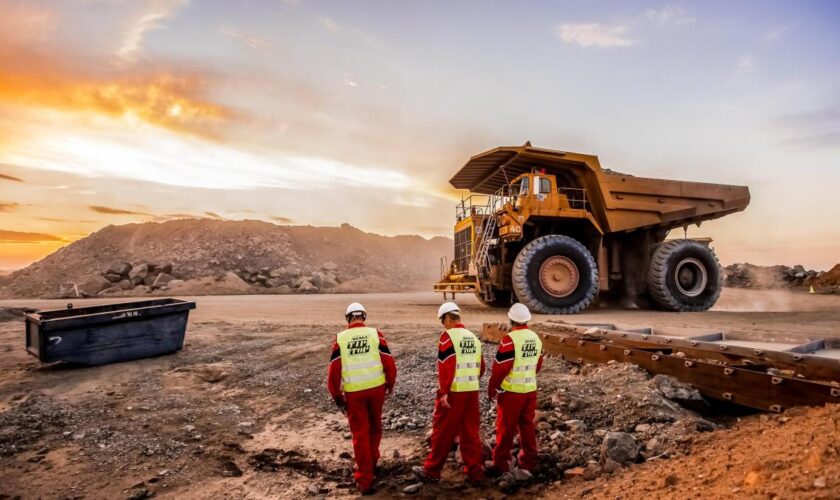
pixel 113 277
pixel 544 426
pixel 575 425
pixel 280 272
pixel 521 475
pixel 307 287
pixel 671 480
pixel 643 428
pixel 165 268
pixel 245 424
pixel 123 268
pixel 138 273
pixel 175 282
pixel 347 435
pixel 679 392
pixel 293 271
pixel 329 266
pixel 395 454
pixel 189 428
pixel 162 279
pixel 819 482
pixel 611 466
pixel 313 489
pixel 284 289
pixel 592 471
pixel 111 289
pixel 68 291
pixel 330 281
pixel 411 489
pixel 555 436
pixel 574 472
pixel 318 279
pixel 93 285
pixel 620 447
pixel 653 445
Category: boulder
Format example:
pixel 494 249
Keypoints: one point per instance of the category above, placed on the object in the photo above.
pixel 284 289
pixel 329 266
pixel 175 282
pixel 280 272
pixel 165 268
pixel 318 279
pixel 91 286
pixel 329 281
pixel 123 268
pixel 68 291
pixel 679 392
pixel 307 287
pixel 113 277
pixel 138 273
pixel 162 279
pixel 125 284
pixel 293 271
pixel 619 447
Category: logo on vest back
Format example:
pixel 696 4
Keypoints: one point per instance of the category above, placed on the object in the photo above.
pixel 467 346
pixel 529 348
pixel 358 345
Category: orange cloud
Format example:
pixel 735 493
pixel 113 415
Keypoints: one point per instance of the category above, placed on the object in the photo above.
pixel 114 211
pixel 7 177
pixel 8 207
pixel 21 237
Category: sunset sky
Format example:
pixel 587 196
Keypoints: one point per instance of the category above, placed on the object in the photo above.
pixel 313 112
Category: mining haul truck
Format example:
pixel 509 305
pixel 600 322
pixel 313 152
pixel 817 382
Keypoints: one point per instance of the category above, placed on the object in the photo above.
pixel 553 230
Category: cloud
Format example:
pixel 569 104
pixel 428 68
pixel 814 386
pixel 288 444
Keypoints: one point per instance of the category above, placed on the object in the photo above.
pixel 252 41
pixel 149 19
pixel 595 35
pixel 329 24
pixel 669 15
pixel 166 99
pixel 214 215
pixel 114 211
pixel 8 207
pixel 281 219
pixel 12 178
pixel 744 66
pixel 80 221
pixel 20 237
pixel 775 33
pixel 813 128
pixel 23 23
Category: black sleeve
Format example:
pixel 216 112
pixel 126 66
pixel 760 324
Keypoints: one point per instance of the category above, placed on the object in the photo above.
pixel 501 357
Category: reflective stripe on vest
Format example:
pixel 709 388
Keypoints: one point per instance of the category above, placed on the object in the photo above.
pixel 361 366
pixel 467 360
pixel 527 348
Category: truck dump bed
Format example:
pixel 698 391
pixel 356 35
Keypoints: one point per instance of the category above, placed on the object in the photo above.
pixel 619 202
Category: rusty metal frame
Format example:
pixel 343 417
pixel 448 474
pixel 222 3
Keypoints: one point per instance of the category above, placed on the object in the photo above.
pixel 737 377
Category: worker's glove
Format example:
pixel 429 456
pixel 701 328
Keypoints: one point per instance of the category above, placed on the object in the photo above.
pixel 341 403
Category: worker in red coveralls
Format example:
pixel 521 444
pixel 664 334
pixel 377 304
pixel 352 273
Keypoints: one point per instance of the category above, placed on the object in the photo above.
pixel 361 374
pixel 513 383
pixel 460 365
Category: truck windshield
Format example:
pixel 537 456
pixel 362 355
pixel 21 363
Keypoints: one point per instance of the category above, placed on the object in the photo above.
pixel 520 187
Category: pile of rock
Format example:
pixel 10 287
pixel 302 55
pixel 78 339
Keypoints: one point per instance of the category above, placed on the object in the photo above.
pixel 142 277
pixel 751 276
pixel 292 278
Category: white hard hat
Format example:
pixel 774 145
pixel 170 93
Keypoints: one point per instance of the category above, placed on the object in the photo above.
pixel 448 307
pixel 355 307
pixel 519 313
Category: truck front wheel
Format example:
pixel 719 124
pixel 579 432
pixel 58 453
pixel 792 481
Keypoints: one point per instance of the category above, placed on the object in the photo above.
pixel 684 275
pixel 555 274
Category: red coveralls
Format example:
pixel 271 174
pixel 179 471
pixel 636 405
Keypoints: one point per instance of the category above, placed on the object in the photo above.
pixel 364 410
pixel 515 412
pixel 461 419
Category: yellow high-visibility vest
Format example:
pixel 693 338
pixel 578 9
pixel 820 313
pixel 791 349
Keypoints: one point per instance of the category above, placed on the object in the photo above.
pixel 527 348
pixel 361 366
pixel 467 360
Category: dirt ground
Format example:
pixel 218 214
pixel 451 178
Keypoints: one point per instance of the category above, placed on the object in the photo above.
pixel 242 411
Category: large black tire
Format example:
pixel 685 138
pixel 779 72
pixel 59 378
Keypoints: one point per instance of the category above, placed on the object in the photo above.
pixel 501 298
pixel 684 275
pixel 526 275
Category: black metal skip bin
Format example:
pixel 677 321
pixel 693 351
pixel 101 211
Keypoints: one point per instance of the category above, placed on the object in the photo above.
pixel 110 333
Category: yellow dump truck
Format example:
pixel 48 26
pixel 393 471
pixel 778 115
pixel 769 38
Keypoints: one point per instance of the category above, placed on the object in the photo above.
pixel 552 229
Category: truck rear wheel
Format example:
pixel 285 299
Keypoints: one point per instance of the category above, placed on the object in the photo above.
pixel 555 274
pixel 501 298
pixel 684 275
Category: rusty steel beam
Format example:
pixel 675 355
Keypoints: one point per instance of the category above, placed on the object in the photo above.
pixel 725 381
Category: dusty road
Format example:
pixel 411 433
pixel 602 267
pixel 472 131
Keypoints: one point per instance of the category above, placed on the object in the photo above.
pixel 242 411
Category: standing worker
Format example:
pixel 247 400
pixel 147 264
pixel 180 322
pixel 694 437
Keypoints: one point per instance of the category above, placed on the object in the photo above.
pixel 515 369
pixel 460 365
pixel 361 373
